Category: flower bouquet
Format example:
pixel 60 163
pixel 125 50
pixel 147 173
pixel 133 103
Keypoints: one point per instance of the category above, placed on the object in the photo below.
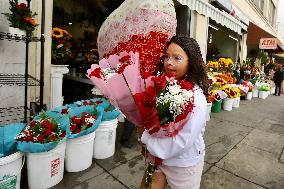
pixel 61 46
pixel 41 135
pixel 232 93
pixel 216 97
pixel 21 17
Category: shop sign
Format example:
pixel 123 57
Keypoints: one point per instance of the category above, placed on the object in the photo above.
pixel 268 43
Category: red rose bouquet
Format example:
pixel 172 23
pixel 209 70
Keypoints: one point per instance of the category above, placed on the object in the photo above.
pixel 78 124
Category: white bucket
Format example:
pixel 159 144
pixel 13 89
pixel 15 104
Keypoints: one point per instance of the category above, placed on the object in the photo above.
pixel 249 96
pixel 263 94
pixel 10 171
pixel 46 169
pixel 228 104
pixel 104 143
pixel 209 105
pixel 272 90
pixel 79 153
pixel 236 103
pixel 255 93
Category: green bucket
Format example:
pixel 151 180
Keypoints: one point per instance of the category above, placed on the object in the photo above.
pixel 216 106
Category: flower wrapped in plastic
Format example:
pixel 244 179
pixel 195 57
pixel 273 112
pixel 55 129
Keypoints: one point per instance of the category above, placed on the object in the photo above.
pixel 84 120
pixel 42 134
pixel 217 95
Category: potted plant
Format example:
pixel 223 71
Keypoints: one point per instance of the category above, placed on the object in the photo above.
pixel 21 17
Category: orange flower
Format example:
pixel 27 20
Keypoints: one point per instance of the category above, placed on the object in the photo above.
pixel 31 21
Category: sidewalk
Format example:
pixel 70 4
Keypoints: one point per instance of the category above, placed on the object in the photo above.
pixel 244 150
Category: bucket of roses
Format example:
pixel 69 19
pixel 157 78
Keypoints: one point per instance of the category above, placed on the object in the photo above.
pixel 84 120
pixel 44 142
pixel 231 95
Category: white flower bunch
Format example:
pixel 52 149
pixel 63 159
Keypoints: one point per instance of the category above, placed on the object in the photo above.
pixel 108 73
pixel 176 97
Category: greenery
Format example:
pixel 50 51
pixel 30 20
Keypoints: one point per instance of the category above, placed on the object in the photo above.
pixel 21 17
pixel 263 57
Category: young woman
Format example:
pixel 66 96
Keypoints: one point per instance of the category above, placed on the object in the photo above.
pixel 182 155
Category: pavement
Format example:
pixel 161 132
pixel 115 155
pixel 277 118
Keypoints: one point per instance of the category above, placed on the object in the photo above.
pixel 244 150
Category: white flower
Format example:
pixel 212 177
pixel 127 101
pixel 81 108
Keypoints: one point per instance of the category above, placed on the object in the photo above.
pixel 90 120
pixel 59 46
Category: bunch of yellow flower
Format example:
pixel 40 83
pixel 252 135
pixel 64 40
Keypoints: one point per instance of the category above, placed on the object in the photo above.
pixel 219 82
pixel 213 65
pixel 228 78
pixel 226 64
pixel 230 91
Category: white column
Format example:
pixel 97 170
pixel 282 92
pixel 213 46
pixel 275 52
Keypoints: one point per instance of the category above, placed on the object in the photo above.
pixel 57 72
pixel 243 53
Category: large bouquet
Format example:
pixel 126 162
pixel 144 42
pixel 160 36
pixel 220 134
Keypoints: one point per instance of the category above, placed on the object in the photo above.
pixel 21 17
pixel 164 105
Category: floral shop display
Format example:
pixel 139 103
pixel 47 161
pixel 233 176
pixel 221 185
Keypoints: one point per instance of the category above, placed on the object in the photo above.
pixel 250 89
pixel 11 161
pixel 84 121
pixel 21 17
pixel 44 142
pixel 231 95
pixel 223 65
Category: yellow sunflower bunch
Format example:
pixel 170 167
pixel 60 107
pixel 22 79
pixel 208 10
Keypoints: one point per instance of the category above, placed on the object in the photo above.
pixel 213 65
pixel 60 33
pixel 226 64
pixel 219 83
pixel 228 78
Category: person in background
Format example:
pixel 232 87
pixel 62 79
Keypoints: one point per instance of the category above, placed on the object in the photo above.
pixel 282 85
pixel 278 77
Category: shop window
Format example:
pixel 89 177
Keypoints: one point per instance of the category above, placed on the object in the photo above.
pixel 271 15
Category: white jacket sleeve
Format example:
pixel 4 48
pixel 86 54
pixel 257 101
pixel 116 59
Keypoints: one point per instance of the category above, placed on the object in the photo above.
pixel 169 147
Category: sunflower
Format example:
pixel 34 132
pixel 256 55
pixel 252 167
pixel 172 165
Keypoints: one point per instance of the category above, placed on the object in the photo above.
pixel 57 33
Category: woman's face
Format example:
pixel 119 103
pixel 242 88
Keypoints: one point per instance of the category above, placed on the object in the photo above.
pixel 176 61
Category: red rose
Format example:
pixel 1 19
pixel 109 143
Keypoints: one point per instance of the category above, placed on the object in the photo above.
pixel 159 82
pixel 90 103
pixel 186 85
pixel 64 111
pixel 73 127
pixel 90 124
pixel 77 121
pixel 33 123
pixel 84 113
pixel 99 102
pixel 48 132
pixel 85 103
pixel 77 131
pixel 29 138
pixel 63 134
pixel 45 123
pixel 22 6
pixel 40 138
pixel 73 118
pixel 145 75
pixel 158 161
pixel 52 138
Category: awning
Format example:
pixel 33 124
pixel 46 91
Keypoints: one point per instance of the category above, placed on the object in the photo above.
pixel 210 11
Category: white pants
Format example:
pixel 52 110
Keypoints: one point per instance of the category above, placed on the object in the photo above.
pixel 183 177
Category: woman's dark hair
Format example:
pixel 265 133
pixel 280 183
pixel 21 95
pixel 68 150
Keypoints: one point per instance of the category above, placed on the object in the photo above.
pixel 197 73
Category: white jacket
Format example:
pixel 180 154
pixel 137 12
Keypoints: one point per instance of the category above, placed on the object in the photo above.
pixel 187 148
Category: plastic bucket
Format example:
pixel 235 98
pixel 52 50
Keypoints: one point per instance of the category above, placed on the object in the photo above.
pixel 236 103
pixel 249 96
pixel 255 93
pixel 228 104
pixel 46 169
pixel 10 171
pixel 104 143
pixel 263 94
pixel 272 90
pixel 79 153
pixel 209 106
pixel 216 106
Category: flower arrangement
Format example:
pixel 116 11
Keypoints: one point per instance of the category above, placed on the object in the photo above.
pixel 228 78
pixel 21 17
pixel 264 87
pixel 78 124
pixel 44 130
pixel 61 46
pixel 218 83
pixel 216 95
pixel 226 64
pixel 230 91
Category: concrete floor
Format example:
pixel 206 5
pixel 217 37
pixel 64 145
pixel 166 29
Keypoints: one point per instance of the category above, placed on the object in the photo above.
pixel 244 150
